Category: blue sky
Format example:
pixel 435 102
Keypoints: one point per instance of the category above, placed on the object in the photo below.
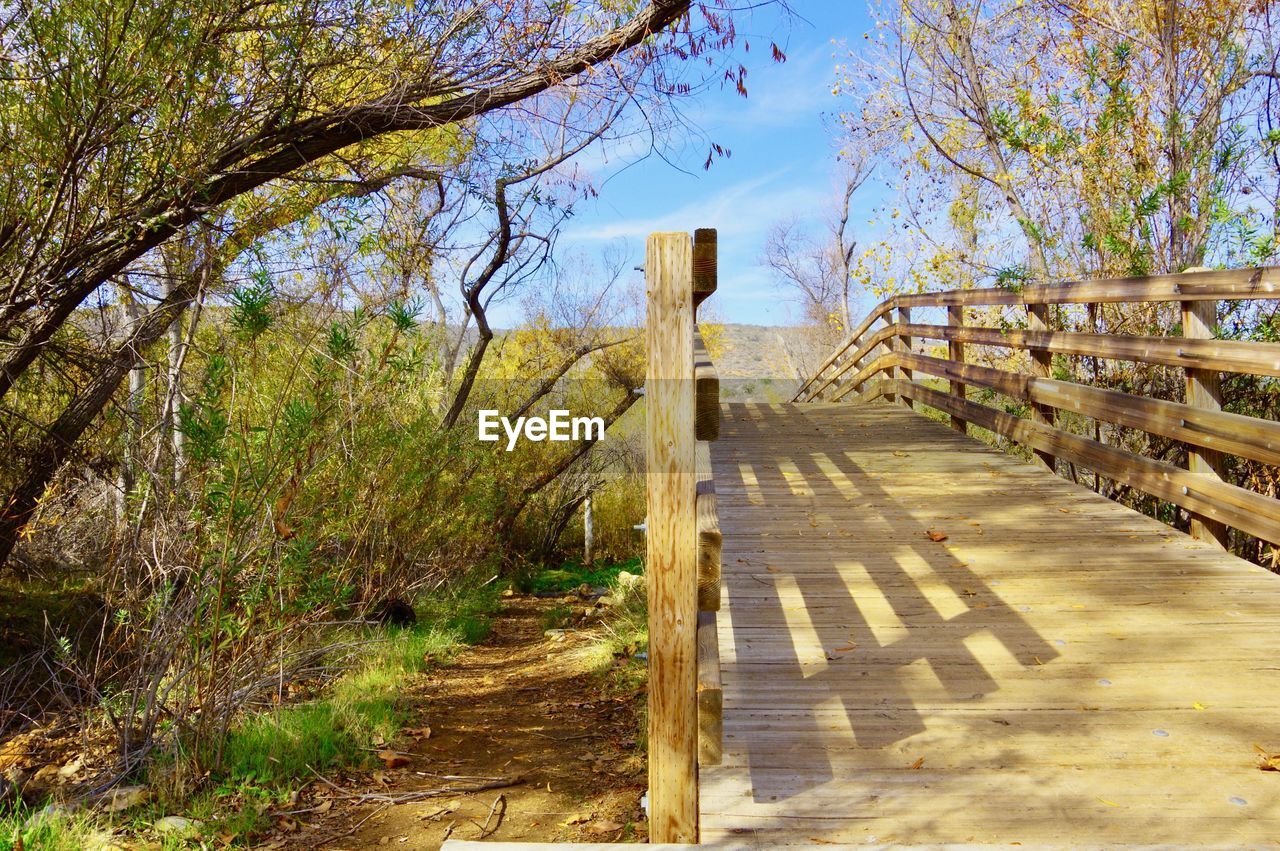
pixel 783 161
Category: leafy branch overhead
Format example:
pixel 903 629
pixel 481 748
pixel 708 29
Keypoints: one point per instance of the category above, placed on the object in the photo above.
pixel 143 125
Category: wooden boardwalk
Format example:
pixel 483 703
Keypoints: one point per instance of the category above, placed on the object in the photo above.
pixel 1057 670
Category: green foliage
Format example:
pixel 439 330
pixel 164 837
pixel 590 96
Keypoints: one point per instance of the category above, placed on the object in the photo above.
pixel 618 505
pixel 282 747
pixel 203 420
pixel 251 308
pixel 463 610
pixel 1013 278
pixel 571 575
pixel 279 747
pixel 557 617
pixel 403 316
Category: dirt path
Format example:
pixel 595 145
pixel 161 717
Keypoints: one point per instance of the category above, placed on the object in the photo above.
pixel 546 749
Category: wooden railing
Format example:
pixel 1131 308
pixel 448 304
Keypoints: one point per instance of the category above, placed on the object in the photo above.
pixel 682 398
pixel 1198 422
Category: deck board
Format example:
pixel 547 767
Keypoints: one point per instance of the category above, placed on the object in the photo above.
pixel 1059 670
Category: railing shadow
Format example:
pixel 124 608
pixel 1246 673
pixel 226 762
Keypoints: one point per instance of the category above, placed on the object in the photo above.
pixel 838 593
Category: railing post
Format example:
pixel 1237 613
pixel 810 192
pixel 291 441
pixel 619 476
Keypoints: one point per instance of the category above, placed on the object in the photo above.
pixel 707 428
pixel 671 566
pixel 705 266
pixel 955 353
pixel 902 343
pixel 1204 390
pixel 1041 367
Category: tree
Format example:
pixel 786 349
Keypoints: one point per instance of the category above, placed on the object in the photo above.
pixel 1097 138
pixel 819 270
pixel 141 121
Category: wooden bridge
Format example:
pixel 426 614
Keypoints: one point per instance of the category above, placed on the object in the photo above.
pixel 926 641
pixel 905 636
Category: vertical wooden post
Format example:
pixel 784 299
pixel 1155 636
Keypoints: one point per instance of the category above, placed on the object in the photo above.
pixel 671 566
pixel 1204 390
pixel 955 352
pixel 1041 367
pixel 903 344
pixel 705 273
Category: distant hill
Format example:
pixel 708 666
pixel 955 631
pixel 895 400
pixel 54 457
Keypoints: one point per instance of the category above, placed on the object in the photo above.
pixel 766 363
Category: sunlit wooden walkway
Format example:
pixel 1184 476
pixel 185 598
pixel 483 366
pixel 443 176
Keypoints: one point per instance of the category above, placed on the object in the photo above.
pixel 1057 669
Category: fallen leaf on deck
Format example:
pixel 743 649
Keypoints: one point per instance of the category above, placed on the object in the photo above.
pixel 937 537
pixel 1198 705
pixel 391 759
pixel 897 453
pixel 1267 761
pixel 918 764
pixel 772 569
pixel 1108 803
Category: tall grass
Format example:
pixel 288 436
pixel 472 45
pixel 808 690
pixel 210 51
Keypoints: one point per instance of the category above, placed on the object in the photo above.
pixel 287 744
pixel 50 830
pixel 624 634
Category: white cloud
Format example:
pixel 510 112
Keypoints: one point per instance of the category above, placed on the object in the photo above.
pixel 742 213
pixel 744 208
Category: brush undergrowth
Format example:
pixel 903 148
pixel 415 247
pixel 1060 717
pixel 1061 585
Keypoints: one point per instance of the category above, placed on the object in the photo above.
pixel 265 755
pixel 620 654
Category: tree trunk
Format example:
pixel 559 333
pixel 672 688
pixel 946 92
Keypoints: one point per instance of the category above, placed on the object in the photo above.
pixel 43 462
pixel 175 398
pixel 587 540
pixel 130 451
pixel 505 521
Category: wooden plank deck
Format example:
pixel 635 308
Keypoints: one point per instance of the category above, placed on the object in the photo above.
pixel 1059 670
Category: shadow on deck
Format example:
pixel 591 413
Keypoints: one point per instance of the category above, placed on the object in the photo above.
pixel 924 640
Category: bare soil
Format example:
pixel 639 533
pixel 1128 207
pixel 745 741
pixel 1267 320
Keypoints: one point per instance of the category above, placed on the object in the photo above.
pixel 516 740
